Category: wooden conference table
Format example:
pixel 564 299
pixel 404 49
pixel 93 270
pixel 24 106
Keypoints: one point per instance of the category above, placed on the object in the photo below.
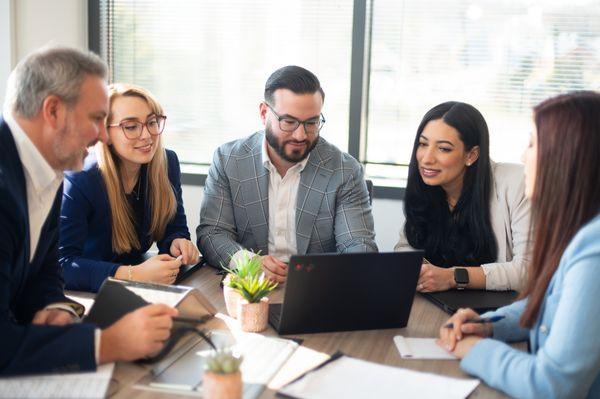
pixel 375 346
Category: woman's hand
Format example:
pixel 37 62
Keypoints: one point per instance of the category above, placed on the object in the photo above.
pixel 158 269
pixel 433 278
pixel 462 336
pixel 185 248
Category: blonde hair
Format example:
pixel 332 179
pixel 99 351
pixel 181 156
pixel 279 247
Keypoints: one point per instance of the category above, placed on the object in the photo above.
pixel 161 196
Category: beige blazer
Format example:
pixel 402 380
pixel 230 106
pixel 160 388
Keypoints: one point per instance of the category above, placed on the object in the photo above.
pixel 510 223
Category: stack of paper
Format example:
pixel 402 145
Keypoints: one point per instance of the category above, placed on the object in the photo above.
pixel 75 385
pixel 350 378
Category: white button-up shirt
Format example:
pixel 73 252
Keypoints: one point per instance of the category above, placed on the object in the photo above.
pixel 42 182
pixel 283 195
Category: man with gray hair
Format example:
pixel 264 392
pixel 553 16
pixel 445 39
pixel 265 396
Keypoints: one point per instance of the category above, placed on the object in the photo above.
pixel 55 108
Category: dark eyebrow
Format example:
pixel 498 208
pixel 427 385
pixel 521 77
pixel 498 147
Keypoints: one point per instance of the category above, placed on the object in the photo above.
pixel 444 142
pixel 288 116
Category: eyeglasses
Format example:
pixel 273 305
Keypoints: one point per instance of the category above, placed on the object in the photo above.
pixel 132 129
pixel 289 124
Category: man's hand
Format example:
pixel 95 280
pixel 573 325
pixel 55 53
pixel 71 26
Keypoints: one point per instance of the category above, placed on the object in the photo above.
pixel 137 334
pixel 53 317
pixel 274 269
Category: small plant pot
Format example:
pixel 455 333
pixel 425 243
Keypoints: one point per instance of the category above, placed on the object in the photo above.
pixel 222 386
pixel 232 297
pixel 253 317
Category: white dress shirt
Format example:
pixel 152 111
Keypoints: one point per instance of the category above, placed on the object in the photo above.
pixel 283 195
pixel 42 183
pixel 41 180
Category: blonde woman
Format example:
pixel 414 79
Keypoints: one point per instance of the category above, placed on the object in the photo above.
pixel 127 197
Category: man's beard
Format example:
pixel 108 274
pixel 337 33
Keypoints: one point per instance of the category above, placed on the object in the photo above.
pixel 68 161
pixel 295 156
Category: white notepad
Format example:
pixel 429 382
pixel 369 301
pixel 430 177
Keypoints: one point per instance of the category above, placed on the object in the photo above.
pixel 421 348
pixel 72 385
pixel 351 378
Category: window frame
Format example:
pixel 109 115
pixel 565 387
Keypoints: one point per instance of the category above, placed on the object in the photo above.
pixel 192 173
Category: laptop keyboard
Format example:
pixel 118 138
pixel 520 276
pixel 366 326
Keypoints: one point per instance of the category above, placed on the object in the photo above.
pixel 275 314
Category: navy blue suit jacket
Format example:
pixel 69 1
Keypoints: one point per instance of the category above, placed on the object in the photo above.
pixel 85 249
pixel 26 287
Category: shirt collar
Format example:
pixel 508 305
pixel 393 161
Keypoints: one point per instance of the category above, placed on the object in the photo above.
pixel 266 159
pixel 39 171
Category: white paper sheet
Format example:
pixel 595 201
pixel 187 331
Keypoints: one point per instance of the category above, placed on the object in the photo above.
pixel 350 378
pixel 421 348
pixel 72 385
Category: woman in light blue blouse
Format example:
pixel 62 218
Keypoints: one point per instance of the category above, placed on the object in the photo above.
pixel 560 312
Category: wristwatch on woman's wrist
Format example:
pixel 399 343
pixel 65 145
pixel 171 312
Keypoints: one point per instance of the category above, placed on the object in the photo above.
pixel 461 278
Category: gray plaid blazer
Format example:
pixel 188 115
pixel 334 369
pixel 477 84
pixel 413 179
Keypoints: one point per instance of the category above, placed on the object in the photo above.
pixel 333 213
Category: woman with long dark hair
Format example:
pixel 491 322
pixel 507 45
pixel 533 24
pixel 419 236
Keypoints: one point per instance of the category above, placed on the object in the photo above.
pixel 468 214
pixel 561 302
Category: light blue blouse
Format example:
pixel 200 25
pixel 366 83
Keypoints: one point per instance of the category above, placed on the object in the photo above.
pixel 565 341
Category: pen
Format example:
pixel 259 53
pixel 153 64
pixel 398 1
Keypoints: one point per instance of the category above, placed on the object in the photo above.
pixel 479 321
pixel 191 320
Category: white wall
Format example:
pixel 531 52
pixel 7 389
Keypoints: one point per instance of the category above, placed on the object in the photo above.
pixel 26 25
pixel 387 214
pixel 6 47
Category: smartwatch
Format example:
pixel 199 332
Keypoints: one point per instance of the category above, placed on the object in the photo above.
pixel 461 278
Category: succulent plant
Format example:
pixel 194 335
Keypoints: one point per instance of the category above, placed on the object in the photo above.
pixel 248 265
pixel 254 288
pixel 223 361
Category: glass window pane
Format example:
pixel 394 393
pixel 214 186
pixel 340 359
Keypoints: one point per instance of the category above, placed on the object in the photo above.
pixel 207 62
pixel 503 57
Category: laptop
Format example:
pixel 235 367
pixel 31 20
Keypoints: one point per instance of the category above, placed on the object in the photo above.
pixel 343 292
pixel 480 301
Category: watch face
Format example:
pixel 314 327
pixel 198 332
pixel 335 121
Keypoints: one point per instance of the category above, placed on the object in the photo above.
pixel 461 276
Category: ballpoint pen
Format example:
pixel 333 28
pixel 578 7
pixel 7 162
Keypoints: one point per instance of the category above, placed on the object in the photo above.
pixel 478 321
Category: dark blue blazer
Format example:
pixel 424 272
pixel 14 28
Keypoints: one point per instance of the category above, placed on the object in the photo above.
pixel 26 287
pixel 85 249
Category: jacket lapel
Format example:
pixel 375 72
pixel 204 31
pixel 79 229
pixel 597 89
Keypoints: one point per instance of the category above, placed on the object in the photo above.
pixel 313 184
pixel 12 169
pixel 254 183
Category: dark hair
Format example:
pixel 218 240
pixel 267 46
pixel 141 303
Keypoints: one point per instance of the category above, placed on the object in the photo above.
pixel 566 194
pixel 294 78
pixel 463 236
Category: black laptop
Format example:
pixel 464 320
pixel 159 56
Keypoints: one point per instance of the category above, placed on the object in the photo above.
pixel 479 300
pixel 342 292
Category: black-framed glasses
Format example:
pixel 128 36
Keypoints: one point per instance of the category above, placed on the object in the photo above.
pixel 289 124
pixel 132 129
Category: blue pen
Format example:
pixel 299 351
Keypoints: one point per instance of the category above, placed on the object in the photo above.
pixel 479 321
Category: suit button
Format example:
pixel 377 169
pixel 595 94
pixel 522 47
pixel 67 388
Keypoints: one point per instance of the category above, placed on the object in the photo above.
pixel 543 329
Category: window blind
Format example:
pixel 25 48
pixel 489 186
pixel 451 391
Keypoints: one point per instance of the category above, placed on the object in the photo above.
pixel 503 57
pixel 207 61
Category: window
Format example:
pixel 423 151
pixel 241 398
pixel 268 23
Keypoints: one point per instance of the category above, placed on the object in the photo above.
pixel 207 61
pixel 503 57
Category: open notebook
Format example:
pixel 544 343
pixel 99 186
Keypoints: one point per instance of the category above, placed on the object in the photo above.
pixel 182 372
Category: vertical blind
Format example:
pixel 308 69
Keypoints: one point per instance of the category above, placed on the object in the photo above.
pixel 503 57
pixel 207 61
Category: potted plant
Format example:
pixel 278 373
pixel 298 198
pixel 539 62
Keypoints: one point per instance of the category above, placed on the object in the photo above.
pixel 253 308
pixel 222 377
pixel 248 265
